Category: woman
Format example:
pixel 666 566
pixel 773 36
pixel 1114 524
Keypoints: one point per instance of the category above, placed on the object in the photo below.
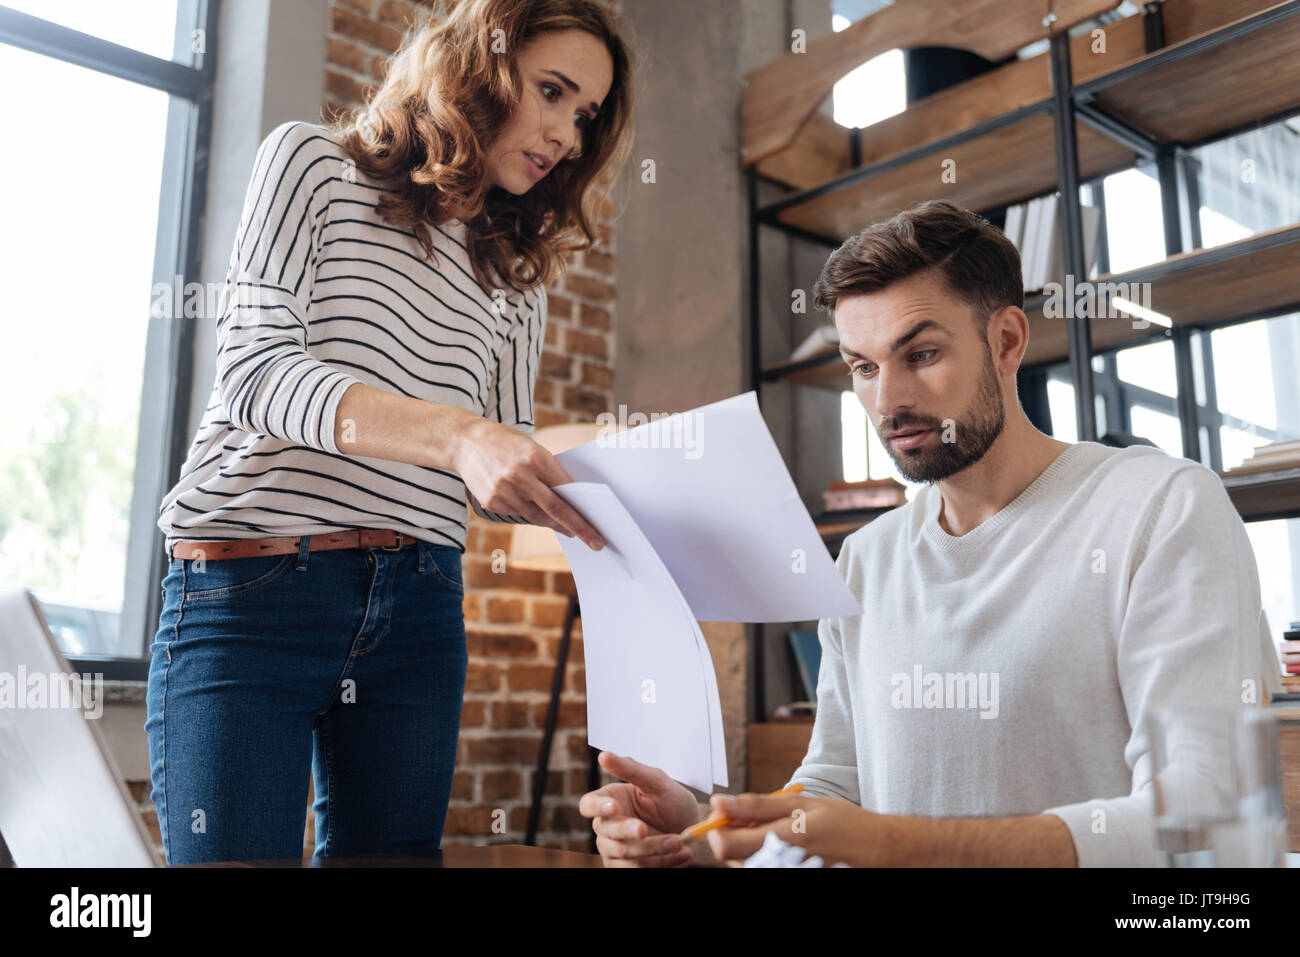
pixel 377 346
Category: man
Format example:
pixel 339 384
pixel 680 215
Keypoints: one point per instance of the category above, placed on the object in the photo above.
pixel 1023 614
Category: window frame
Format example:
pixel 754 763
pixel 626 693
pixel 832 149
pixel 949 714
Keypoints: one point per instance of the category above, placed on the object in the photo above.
pixel 163 435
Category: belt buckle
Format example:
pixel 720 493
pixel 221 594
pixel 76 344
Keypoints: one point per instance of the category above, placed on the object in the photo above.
pixel 393 548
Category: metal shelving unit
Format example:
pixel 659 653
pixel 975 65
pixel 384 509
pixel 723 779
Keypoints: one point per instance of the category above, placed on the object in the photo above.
pixel 1240 76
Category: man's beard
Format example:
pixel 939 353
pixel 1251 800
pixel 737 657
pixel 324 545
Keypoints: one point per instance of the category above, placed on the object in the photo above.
pixel 973 434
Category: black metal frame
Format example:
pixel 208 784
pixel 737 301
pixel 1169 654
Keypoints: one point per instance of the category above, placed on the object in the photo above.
pixel 171 346
pixel 1068 103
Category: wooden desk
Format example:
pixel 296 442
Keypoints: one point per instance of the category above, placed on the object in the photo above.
pixel 491 855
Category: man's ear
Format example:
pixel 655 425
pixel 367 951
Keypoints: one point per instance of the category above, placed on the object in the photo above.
pixel 1008 337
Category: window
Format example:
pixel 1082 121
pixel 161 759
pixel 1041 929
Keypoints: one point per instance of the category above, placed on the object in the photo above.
pixel 99 199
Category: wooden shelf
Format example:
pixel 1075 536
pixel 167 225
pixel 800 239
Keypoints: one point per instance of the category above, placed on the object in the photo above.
pixel 1191 91
pixel 1009 164
pixel 1184 92
pixel 1264 495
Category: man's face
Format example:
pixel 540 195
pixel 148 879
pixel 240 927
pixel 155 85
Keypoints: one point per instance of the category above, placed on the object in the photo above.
pixel 923 370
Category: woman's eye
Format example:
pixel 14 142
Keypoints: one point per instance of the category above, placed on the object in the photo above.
pixel 548 89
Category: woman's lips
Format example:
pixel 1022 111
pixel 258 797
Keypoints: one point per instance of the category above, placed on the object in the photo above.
pixel 536 171
pixel 911 440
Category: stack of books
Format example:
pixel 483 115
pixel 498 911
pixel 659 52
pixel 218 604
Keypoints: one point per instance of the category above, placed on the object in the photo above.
pixel 1270 458
pixel 1035 229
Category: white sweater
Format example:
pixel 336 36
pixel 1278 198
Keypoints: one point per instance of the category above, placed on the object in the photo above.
pixel 1118 581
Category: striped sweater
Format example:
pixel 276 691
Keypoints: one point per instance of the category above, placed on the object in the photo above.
pixel 321 293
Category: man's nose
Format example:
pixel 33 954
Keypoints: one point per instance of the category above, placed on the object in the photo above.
pixel 892 396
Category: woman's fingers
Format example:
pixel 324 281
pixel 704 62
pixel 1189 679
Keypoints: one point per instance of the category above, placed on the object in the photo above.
pixel 565 514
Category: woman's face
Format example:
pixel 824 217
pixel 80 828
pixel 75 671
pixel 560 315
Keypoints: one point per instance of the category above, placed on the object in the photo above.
pixel 565 77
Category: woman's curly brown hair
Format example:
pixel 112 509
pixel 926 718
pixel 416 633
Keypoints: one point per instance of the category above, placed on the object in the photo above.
pixel 447 93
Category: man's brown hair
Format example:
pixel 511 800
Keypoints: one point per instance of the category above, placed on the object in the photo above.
pixel 972 257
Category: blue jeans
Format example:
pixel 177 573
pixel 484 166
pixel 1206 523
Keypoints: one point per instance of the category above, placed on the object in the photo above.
pixel 348 664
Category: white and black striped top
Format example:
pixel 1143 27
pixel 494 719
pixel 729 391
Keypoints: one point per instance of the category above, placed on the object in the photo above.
pixel 322 293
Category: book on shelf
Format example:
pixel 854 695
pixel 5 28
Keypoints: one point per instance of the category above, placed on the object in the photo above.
pixel 1270 458
pixel 824 340
pixel 871 495
pixel 1034 229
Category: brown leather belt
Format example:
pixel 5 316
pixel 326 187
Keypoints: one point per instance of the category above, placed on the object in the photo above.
pixel 386 539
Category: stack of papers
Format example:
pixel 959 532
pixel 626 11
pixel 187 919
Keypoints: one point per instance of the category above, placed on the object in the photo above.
pixel 702 523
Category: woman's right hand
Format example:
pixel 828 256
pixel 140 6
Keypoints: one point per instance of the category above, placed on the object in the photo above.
pixel 511 474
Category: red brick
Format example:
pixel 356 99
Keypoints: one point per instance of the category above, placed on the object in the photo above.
pixel 482 676
pixel 556 365
pixel 592 344
pixel 362 6
pixel 504 610
pixel 572 714
pixel 473 713
pixel 558 306
pixel 588 402
pixel 562 583
pixel 492 644
pixel 377 35
pixel 578 680
pixel 510 714
pixel 340 86
pixel 396 14
pixel 348 55
pixel 577 781
pixel 472 607
pixel 544 392
pixel 514 749
pixel 502 784
pixel 462 786
pixel 575 646
pixel 576 746
pixel 587 287
pixel 529 677
pixel 554 334
pixel 479 574
pixel 594 317
pixel 606 236
pixel 547 612
pixel 492 535
pixel 597 376
pixel 565 817
pixel 599 262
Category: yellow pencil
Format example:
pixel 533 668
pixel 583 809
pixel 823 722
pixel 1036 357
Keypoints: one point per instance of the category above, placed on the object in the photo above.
pixel 721 820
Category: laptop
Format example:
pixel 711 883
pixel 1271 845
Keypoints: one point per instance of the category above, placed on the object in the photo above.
pixel 63 802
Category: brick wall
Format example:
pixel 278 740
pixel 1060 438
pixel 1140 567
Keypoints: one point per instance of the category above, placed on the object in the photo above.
pixel 513 619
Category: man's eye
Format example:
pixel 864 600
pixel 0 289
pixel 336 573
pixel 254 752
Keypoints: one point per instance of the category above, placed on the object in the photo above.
pixel 927 353
pixel 856 369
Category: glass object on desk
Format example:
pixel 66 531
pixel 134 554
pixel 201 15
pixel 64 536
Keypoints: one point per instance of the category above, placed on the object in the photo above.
pixel 1217 787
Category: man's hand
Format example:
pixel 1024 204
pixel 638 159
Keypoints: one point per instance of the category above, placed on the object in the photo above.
pixel 834 830
pixel 637 823
pixel 841 832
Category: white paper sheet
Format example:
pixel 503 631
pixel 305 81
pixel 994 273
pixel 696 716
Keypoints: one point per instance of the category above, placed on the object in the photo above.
pixel 709 490
pixel 652 694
